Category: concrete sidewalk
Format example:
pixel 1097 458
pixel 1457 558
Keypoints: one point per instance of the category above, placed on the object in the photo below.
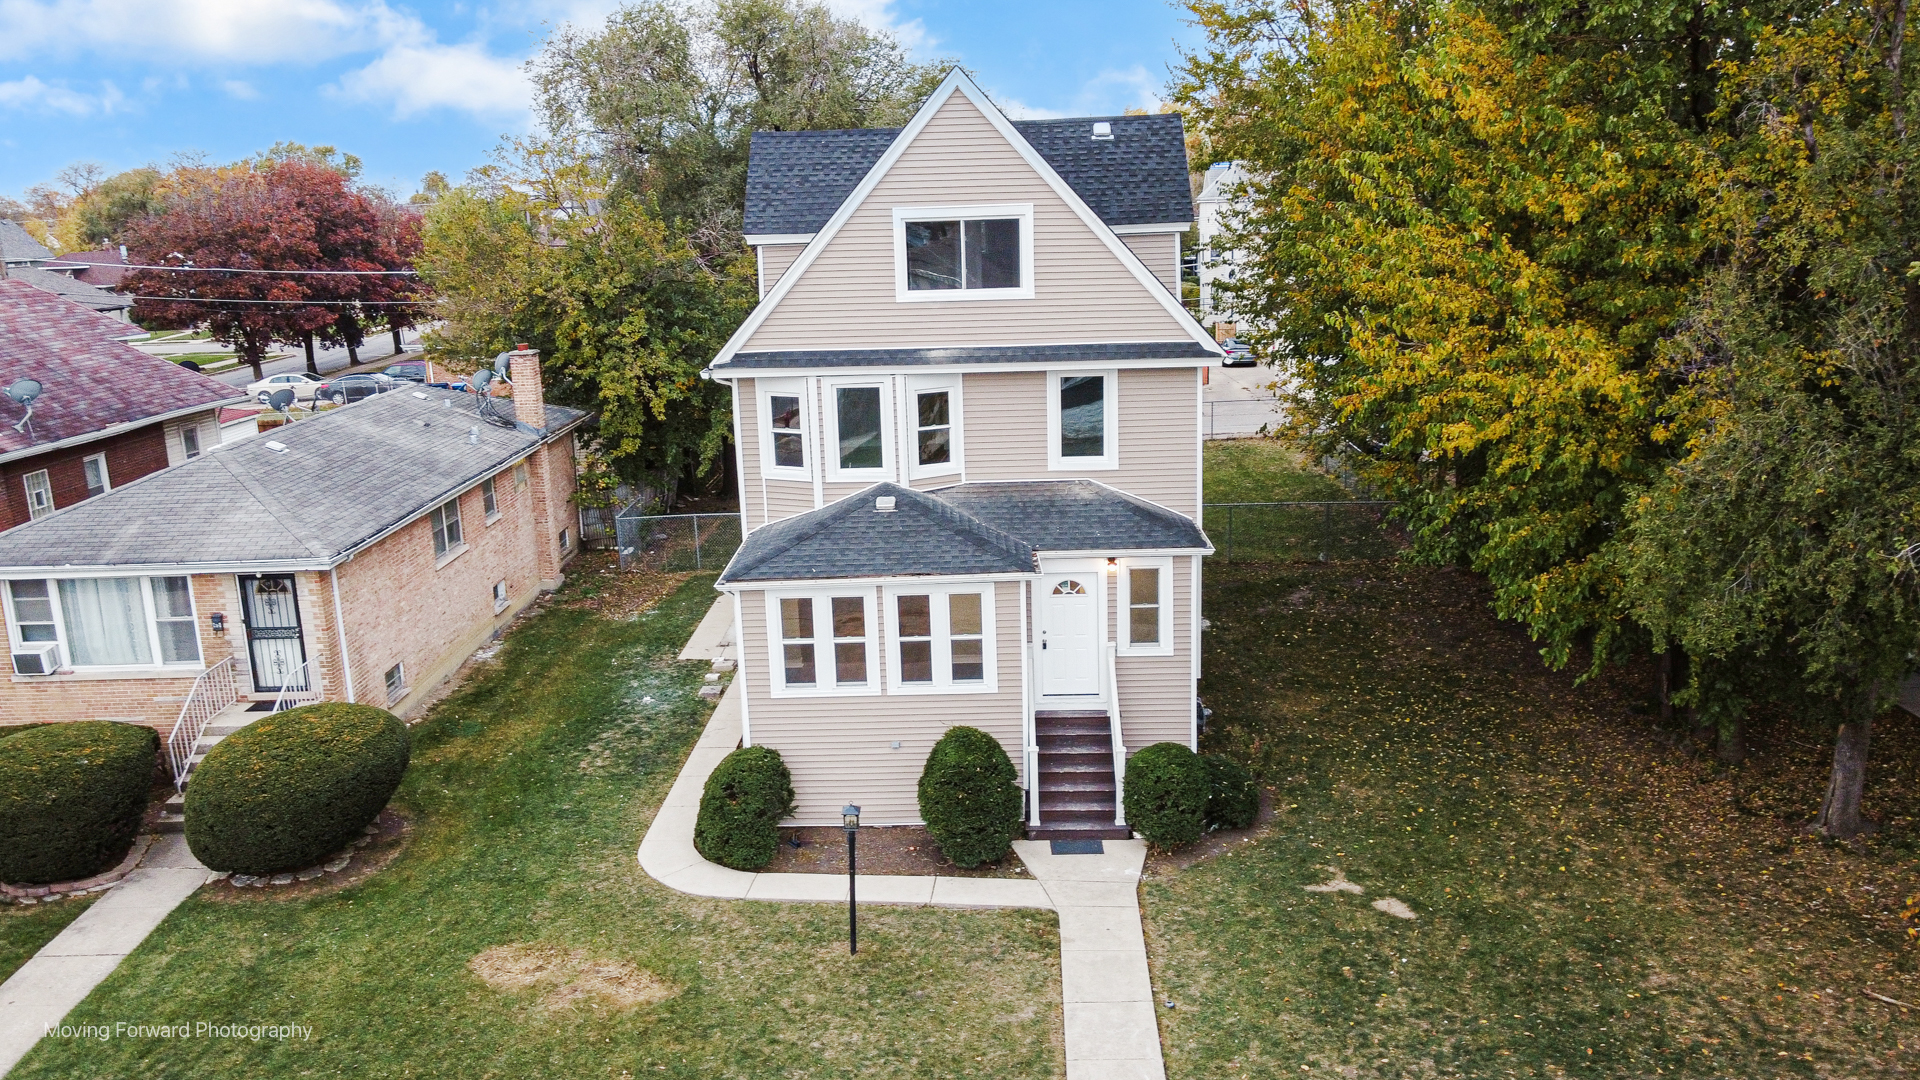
pixel 65 971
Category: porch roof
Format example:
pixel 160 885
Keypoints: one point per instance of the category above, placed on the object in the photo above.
pixel 303 496
pixel 964 530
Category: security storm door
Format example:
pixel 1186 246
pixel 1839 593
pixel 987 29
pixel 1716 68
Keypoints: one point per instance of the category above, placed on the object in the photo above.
pixel 274 643
pixel 1070 634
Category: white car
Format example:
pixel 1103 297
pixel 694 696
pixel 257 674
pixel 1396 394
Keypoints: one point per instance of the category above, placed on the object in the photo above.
pixel 302 384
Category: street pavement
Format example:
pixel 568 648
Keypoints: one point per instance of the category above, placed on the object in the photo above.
pixel 1238 401
pixel 376 353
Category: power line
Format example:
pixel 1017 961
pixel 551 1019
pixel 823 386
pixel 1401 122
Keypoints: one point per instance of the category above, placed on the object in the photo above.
pixel 297 303
pixel 234 269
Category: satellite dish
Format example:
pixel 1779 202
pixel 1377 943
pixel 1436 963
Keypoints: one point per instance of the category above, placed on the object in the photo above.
pixel 280 399
pixel 482 378
pixel 25 392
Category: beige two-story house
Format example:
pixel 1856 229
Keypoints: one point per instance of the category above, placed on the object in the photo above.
pixel 967 416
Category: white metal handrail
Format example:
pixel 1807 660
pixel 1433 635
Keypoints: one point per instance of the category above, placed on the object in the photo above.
pixel 1119 742
pixel 214 690
pixel 297 689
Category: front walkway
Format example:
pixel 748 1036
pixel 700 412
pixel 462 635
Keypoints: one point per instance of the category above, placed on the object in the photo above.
pixel 66 970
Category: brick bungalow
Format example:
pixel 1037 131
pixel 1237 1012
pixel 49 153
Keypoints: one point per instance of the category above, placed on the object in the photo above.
pixel 360 556
pixel 107 414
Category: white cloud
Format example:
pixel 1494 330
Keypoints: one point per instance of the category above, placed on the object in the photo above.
pixel 421 75
pixel 239 88
pixel 1020 110
pixel 879 15
pixel 1107 94
pixel 31 93
pixel 234 31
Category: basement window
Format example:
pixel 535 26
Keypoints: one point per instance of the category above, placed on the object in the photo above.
pixel 396 682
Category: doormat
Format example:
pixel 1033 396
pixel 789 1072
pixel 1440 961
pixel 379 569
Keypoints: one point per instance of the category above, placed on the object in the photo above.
pixel 1078 847
pixel 260 706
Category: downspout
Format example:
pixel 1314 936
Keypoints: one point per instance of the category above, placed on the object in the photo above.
pixel 340 631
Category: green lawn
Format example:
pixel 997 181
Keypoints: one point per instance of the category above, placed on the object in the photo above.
pixel 26 927
pixel 1589 901
pixel 530 790
pixel 1263 470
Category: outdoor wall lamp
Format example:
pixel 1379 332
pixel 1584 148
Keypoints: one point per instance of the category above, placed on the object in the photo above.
pixel 850 820
pixel 219 621
pixel 1113 565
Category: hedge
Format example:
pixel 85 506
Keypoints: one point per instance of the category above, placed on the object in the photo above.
pixel 1166 794
pixel 748 794
pixel 1233 800
pixel 290 789
pixel 71 798
pixel 969 798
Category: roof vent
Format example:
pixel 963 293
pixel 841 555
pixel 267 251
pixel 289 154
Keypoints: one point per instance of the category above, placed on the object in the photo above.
pixel 1103 130
pixel 883 504
pixel 277 447
pixel 473 435
pixel 420 395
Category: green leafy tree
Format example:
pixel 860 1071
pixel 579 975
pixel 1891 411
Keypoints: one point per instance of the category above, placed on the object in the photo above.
pixel 103 213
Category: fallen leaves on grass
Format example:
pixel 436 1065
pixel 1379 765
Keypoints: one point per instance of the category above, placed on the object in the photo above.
pixel 569 976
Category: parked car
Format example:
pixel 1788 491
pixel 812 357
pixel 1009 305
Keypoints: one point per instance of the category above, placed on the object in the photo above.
pixel 407 371
pixel 1239 353
pixel 301 383
pixel 351 388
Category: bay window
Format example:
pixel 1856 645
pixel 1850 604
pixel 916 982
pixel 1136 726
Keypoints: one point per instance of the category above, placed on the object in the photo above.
pixel 822 643
pixel 107 622
pixel 941 638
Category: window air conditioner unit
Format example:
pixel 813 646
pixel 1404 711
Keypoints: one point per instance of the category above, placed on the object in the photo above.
pixel 37 659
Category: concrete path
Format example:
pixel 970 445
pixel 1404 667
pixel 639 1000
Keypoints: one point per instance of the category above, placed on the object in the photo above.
pixel 1113 1032
pixel 66 970
pixel 713 638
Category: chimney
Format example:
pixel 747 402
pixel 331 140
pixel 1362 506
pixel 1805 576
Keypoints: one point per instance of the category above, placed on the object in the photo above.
pixel 529 399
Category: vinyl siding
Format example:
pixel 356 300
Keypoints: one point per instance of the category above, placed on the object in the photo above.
pixel 1156 692
pixel 774 260
pixel 839 748
pixel 845 299
pixel 746 411
pixel 1157 251
pixel 1006 433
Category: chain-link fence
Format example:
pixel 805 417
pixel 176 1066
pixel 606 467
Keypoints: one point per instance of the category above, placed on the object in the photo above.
pixel 1239 418
pixel 1326 531
pixel 676 542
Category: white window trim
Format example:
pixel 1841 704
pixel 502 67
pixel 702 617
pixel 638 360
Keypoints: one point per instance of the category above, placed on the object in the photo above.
pixel 392 694
pixel 1109 415
pixel 904 214
pixel 150 609
pixel 823 659
pixel 765 389
pixel 106 478
pixel 942 644
pixel 830 429
pixel 1124 629
pixel 46 484
pixel 956 461
pixel 501 596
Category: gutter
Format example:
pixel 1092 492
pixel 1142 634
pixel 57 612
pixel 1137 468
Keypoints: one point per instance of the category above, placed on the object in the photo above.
pixel 111 430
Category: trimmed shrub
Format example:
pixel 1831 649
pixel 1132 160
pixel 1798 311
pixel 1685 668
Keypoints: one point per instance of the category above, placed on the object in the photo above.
pixel 740 810
pixel 1166 794
pixel 290 789
pixel 1233 800
pixel 969 798
pixel 71 798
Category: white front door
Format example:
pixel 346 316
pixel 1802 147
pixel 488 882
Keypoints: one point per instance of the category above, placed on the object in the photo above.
pixel 1070 633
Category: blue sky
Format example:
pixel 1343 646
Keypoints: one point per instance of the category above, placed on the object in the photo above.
pixel 416 87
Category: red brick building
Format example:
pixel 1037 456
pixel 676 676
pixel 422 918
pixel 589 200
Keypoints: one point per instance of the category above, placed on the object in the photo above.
pixel 107 413
pixel 360 555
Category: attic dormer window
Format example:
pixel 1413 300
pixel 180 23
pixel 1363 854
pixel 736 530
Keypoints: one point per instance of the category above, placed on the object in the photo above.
pixel 964 252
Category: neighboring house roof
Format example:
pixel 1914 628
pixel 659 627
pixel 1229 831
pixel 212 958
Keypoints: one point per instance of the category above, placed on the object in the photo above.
pixel 94 385
pixel 17 245
pixel 99 268
pixel 61 285
pixel 339 481
pixel 985 354
pixel 964 530
pixel 797 179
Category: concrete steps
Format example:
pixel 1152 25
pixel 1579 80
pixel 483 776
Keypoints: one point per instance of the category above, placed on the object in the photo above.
pixel 224 723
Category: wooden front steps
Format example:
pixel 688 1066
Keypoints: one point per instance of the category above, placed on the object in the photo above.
pixel 1076 777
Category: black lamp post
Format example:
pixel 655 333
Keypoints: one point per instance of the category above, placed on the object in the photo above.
pixel 850 820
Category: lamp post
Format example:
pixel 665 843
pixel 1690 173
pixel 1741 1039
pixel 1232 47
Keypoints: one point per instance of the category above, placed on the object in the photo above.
pixel 850 820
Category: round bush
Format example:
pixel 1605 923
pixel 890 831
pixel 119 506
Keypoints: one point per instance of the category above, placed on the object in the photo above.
pixel 71 798
pixel 1166 794
pixel 969 798
pixel 290 789
pixel 1233 800
pixel 740 810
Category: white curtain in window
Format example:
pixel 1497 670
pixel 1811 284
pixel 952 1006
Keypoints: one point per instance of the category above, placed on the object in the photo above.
pixel 106 621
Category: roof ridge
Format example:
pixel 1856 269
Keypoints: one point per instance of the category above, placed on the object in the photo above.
pixel 276 510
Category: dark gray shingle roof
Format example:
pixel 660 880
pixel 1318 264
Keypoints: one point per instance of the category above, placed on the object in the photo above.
pixel 17 245
pixel 797 179
pixel 347 475
pixel 1186 349
pixel 987 528
pixel 67 288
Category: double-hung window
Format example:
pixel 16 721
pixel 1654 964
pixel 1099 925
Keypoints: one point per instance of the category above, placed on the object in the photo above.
pixel 95 466
pixel 933 407
pixel 783 441
pixel 39 494
pixel 822 642
pixel 941 639
pixel 490 499
pixel 1146 603
pixel 1082 432
pixel 107 622
pixel 446 527
pixel 963 252
pixel 861 415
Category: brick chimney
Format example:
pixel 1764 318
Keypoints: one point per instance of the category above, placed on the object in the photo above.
pixel 529 398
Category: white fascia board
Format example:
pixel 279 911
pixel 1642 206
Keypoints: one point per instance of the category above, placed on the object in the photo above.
pixel 1123 553
pixel 778 239
pixel 963 369
pixel 864 582
pixel 1135 230
pixel 958 82
pixel 229 566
